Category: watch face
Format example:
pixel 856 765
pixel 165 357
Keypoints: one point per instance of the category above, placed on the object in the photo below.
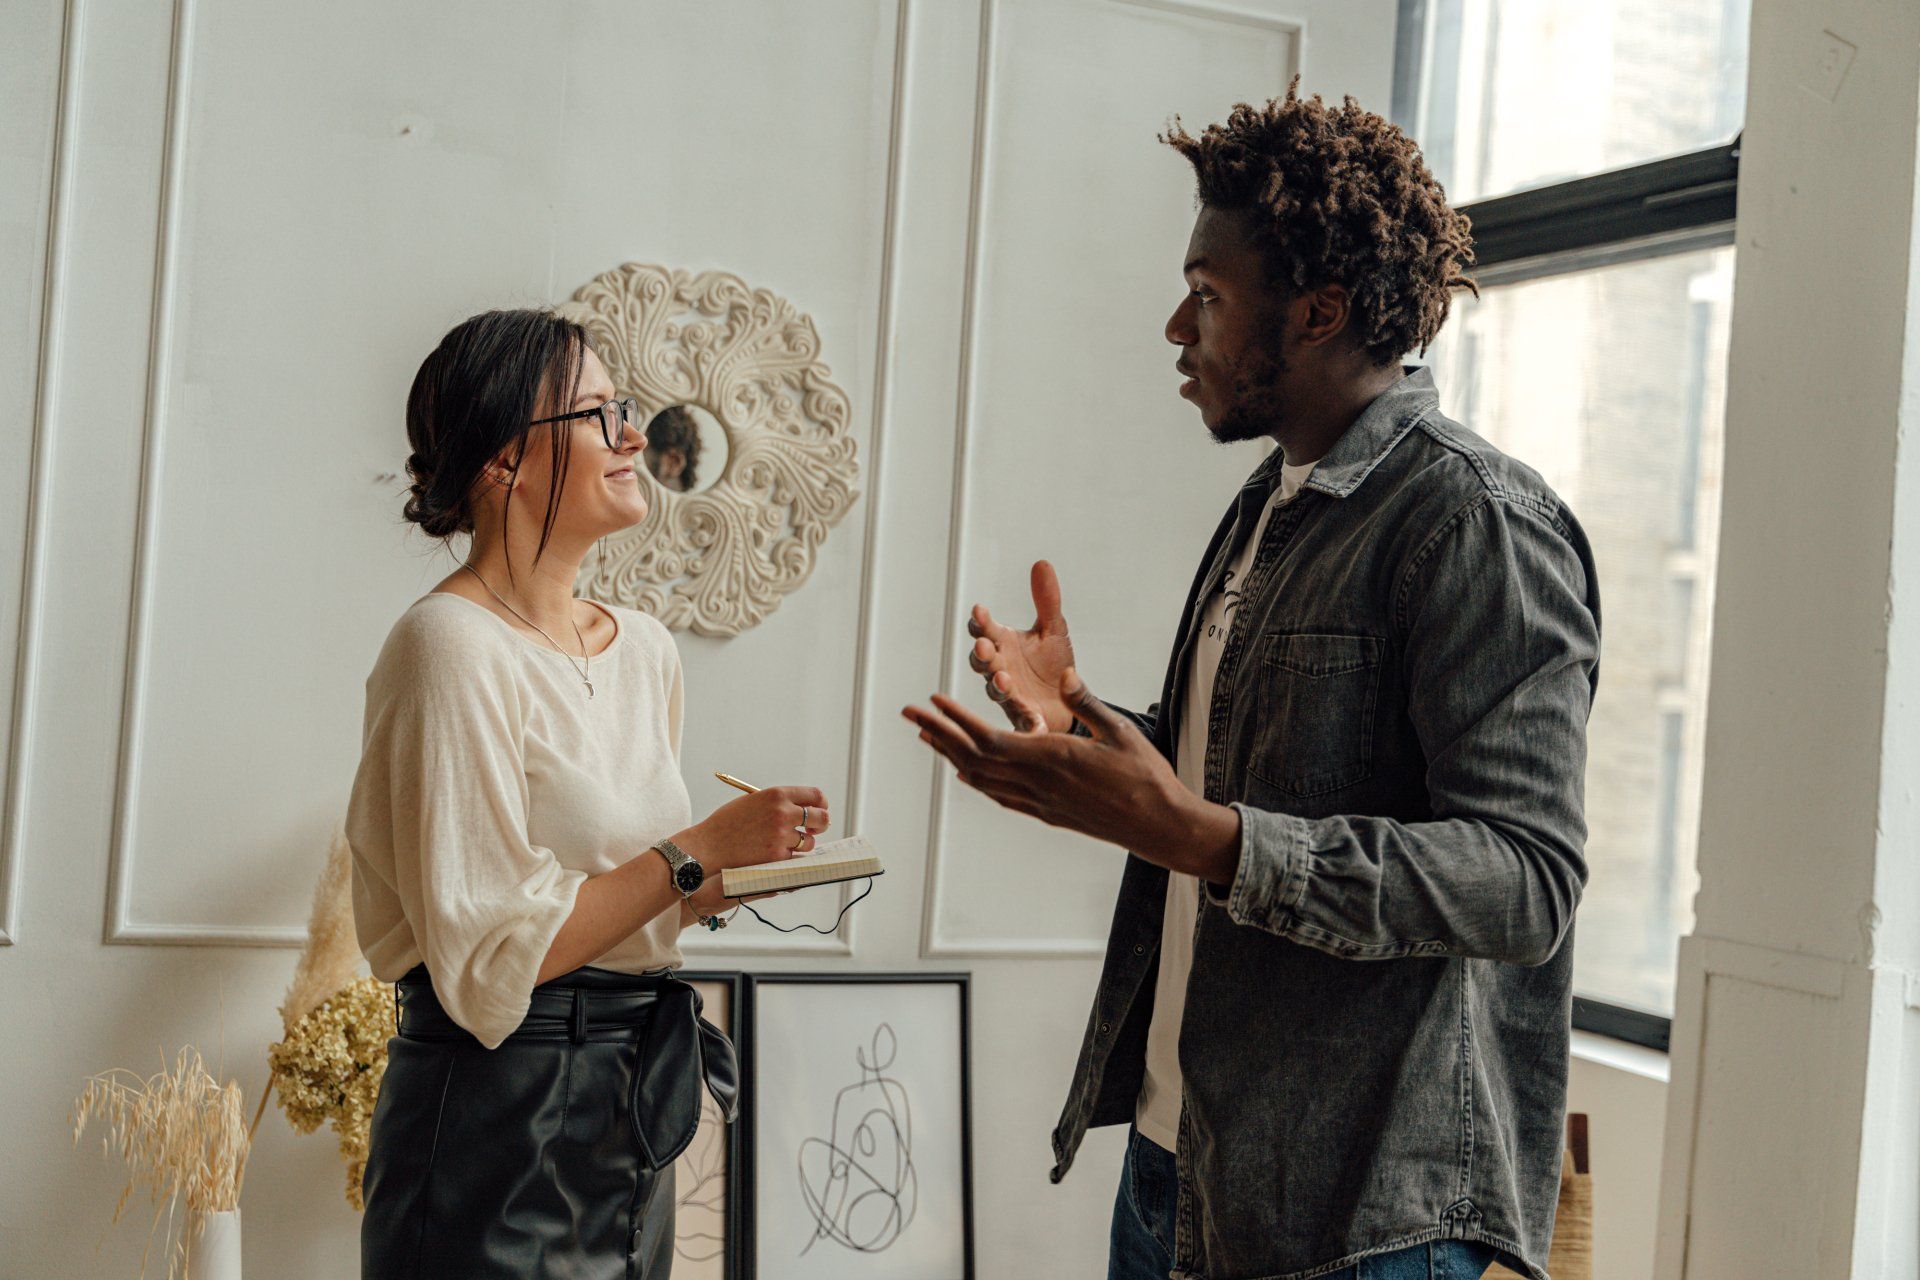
pixel 689 876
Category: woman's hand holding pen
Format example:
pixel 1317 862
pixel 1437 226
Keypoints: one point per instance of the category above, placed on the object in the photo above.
pixel 762 827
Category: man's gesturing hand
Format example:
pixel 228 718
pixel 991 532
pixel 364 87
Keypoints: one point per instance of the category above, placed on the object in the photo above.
pixel 1023 669
pixel 1114 786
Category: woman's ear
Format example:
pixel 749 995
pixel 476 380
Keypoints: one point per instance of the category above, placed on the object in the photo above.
pixel 499 475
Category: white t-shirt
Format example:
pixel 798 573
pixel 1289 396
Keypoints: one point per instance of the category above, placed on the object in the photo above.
pixel 1157 1113
pixel 491 786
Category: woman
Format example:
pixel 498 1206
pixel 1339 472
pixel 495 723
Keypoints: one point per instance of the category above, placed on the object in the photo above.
pixel 524 855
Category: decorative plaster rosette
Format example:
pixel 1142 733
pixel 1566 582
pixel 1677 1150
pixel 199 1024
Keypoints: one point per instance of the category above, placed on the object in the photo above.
pixel 719 560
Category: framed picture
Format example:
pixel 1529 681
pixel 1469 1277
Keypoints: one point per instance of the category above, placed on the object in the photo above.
pixel 859 1143
pixel 710 1175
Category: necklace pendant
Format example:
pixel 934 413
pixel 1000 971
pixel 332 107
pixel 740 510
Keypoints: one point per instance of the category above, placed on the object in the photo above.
pixel 589 685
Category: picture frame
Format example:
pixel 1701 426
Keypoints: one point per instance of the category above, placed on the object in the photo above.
pixel 712 1195
pixel 859 1126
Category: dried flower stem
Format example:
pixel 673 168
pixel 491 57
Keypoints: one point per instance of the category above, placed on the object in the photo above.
pixel 266 1091
pixel 182 1137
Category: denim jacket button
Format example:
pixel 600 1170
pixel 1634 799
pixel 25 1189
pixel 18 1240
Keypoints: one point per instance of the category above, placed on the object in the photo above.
pixel 1105 1028
pixel 1139 948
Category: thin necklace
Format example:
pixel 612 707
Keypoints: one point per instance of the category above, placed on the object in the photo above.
pixel 586 673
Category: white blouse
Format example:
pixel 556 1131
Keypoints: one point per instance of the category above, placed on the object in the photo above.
pixel 491 786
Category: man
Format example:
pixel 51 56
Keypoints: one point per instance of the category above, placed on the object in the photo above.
pixel 1335 1004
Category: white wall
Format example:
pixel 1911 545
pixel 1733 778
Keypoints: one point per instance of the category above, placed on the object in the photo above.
pixel 1622 1088
pixel 256 219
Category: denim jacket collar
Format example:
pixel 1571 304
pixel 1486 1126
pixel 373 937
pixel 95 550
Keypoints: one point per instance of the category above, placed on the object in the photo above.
pixel 1372 436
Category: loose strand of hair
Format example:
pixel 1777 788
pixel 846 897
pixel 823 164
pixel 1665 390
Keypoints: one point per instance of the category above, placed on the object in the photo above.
pixel 506 509
pixel 571 363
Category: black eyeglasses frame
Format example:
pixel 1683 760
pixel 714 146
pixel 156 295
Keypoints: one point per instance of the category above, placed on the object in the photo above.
pixel 615 437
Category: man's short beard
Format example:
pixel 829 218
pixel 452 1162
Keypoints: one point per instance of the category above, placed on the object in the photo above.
pixel 1256 405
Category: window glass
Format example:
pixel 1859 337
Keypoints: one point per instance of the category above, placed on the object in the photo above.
pixel 1522 93
pixel 1612 383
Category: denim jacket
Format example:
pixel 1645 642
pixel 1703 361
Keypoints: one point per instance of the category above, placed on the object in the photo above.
pixel 1374 1047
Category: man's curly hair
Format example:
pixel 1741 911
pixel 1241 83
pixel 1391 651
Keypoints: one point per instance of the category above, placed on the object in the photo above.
pixel 1339 196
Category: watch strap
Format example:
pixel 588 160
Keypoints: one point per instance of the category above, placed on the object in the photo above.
pixel 676 858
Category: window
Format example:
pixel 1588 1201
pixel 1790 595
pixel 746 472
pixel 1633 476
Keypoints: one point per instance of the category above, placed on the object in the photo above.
pixel 1515 94
pixel 1594 146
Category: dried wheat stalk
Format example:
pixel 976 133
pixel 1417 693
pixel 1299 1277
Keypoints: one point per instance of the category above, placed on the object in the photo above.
pixel 331 957
pixel 181 1134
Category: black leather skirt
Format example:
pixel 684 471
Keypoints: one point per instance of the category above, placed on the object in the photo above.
pixel 549 1156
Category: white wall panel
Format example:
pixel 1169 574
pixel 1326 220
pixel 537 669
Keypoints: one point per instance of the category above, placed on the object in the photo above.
pixel 767 153
pixel 270 563
pixel 1730 1068
pixel 1073 444
pixel 331 201
pixel 36 93
pixel 1622 1090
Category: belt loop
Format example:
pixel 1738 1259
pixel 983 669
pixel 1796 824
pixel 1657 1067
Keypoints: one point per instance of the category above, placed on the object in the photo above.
pixel 579 1016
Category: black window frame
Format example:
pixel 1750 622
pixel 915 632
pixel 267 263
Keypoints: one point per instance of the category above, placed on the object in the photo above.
pixel 1671 205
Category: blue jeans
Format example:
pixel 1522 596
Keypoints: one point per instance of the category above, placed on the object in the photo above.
pixel 1142 1244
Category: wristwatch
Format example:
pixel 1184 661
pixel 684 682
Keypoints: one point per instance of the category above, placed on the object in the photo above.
pixel 687 874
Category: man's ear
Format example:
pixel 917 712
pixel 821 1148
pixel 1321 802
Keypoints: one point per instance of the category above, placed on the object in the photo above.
pixel 1320 315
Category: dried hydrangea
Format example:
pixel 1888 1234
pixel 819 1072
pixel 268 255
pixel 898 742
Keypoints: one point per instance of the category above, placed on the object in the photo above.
pixel 328 1069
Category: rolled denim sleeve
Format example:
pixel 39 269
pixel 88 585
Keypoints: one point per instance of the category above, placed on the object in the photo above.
pixel 1499 614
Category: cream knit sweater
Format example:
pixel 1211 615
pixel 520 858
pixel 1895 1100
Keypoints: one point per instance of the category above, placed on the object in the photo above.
pixel 490 786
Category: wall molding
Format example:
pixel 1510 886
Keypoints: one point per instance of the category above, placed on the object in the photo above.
pixel 47 362
pixel 128 934
pixel 841 941
pixel 708 561
pixel 1765 967
pixel 1244 15
pixel 121 927
pixel 933 943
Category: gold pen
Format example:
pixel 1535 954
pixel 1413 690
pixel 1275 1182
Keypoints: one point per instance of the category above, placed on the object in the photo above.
pixel 732 781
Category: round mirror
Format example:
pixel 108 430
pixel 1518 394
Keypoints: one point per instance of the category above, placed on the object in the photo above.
pixel 686 448
pixel 766 472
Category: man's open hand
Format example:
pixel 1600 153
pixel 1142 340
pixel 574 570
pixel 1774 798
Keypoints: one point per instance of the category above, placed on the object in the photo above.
pixel 1023 669
pixel 1114 786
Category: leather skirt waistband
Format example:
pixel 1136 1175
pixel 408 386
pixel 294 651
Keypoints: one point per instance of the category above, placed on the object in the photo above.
pixel 679 1051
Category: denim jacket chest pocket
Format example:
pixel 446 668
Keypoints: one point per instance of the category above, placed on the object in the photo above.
pixel 1312 708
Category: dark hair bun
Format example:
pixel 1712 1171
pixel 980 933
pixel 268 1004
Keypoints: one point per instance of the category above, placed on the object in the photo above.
pixel 437 517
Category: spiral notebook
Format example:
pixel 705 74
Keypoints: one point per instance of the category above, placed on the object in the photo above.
pixel 849 859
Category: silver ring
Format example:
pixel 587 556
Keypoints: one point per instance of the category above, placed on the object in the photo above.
pixel 804 811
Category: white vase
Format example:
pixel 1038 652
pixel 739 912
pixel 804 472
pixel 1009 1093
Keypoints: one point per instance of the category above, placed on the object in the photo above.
pixel 214 1253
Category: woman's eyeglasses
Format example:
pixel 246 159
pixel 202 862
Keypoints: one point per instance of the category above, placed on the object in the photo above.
pixel 615 417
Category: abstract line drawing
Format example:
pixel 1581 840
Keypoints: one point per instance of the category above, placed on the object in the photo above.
pixel 702 1199
pixel 859 1184
pixel 707 1175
